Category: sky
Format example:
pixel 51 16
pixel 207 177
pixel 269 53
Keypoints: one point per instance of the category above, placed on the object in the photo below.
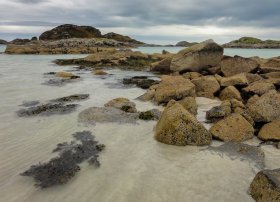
pixel 151 21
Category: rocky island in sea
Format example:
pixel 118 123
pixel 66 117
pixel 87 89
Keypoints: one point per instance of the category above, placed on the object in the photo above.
pixel 251 42
pixel 248 90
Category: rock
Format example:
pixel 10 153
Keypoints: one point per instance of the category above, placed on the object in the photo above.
pixel 67 31
pixel 253 78
pixel 229 93
pixel 266 108
pixel 123 104
pixel 219 112
pixel 72 98
pixel 61 169
pixel 47 109
pixel 122 38
pixel 100 72
pixel 3 42
pixel 235 65
pixel 278 145
pixel 273 77
pixel 206 86
pixel 162 66
pixel 234 128
pixel 197 57
pixel 236 80
pixel 270 65
pixel 173 87
pixel 191 75
pixel 149 95
pixel 67 75
pixel 236 104
pixel 258 87
pixel 270 131
pixel 140 81
pixel 266 186
pixel 185 43
pixel 153 114
pixel 189 104
pixel 177 126
pixel 19 41
pixel 95 115
pixel 242 151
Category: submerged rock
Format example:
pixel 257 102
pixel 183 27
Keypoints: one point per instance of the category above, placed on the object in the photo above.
pixel 266 186
pixel 61 169
pixel 72 98
pixel 177 126
pixel 242 151
pixel 123 104
pixel 153 114
pixel 47 109
pixel 140 81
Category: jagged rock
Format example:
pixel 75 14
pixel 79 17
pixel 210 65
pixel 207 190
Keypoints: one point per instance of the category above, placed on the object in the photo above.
pixel 233 128
pixel 162 66
pixel 265 108
pixel 236 80
pixel 172 87
pixel 197 57
pixel 266 186
pixel 153 114
pixel 95 115
pixel 123 104
pixel 189 104
pixel 235 65
pixel 258 87
pixel 229 93
pixel 67 31
pixel 177 126
pixel 140 81
pixel 72 98
pixel 206 86
pixel 270 131
pixel 61 169
pixel 219 112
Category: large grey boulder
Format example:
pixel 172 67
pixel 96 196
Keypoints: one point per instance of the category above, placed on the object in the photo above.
pixel 197 57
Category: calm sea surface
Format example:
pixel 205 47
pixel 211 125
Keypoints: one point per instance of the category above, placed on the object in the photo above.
pixel 134 167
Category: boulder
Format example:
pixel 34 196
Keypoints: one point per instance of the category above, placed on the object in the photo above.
pixel 229 93
pixel 3 42
pixel 189 104
pixel 206 86
pixel 236 80
pixel 253 77
pixel 191 75
pixel 265 186
pixel 266 108
pixel 270 131
pixel 258 87
pixel 233 128
pixel 271 65
pixel 162 66
pixel 173 87
pixel 123 104
pixel 177 126
pixel 197 57
pixel 235 65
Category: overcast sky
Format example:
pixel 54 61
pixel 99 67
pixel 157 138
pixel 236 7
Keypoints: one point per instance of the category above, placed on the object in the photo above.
pixel 152 21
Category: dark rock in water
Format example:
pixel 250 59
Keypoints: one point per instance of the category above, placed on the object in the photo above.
pixel 55 82
pixel 140 81
pixel 153 114
pixel 50 73
pixel 242 151
pixel 95 115
pixel 47 109
pixel 30 103
pixel 61 169
pixel 72 98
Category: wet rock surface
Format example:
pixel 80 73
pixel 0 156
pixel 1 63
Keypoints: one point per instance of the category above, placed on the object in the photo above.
pixel 242 151
pixel 72 98
pixel 153 114
pixel 61 169
pixel 123 104
pixel 30 103
pixel 47 109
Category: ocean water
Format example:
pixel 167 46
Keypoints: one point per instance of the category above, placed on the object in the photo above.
pixel 134 167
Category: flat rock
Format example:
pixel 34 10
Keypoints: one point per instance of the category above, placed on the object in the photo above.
pixel 123 104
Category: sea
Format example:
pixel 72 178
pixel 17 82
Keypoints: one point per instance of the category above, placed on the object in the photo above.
pixel 134 166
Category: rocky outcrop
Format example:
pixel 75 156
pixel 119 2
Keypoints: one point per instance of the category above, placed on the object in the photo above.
pixel 177 126
pixel 230 92
pixel 266 186
pixel 123 104
pixel 185 43
pixel 3 42
pixel 270 131
pixel 198 57
pixel 122 38
pixel 191 75
pixel 250 42
pixel 189 104
pixel 172 87
pixel 265 108
pixel 72 98
pixel 235 65
pixel 162 66
pixel 236 80
pixel 234 128
pixel 67 31
pixel 206 86
pixel 19 41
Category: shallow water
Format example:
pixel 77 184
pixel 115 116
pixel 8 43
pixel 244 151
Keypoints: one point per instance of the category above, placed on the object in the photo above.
pixel 134 167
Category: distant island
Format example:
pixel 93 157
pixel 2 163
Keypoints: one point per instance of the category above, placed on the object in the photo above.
pixel 251 42
pixel 185 43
